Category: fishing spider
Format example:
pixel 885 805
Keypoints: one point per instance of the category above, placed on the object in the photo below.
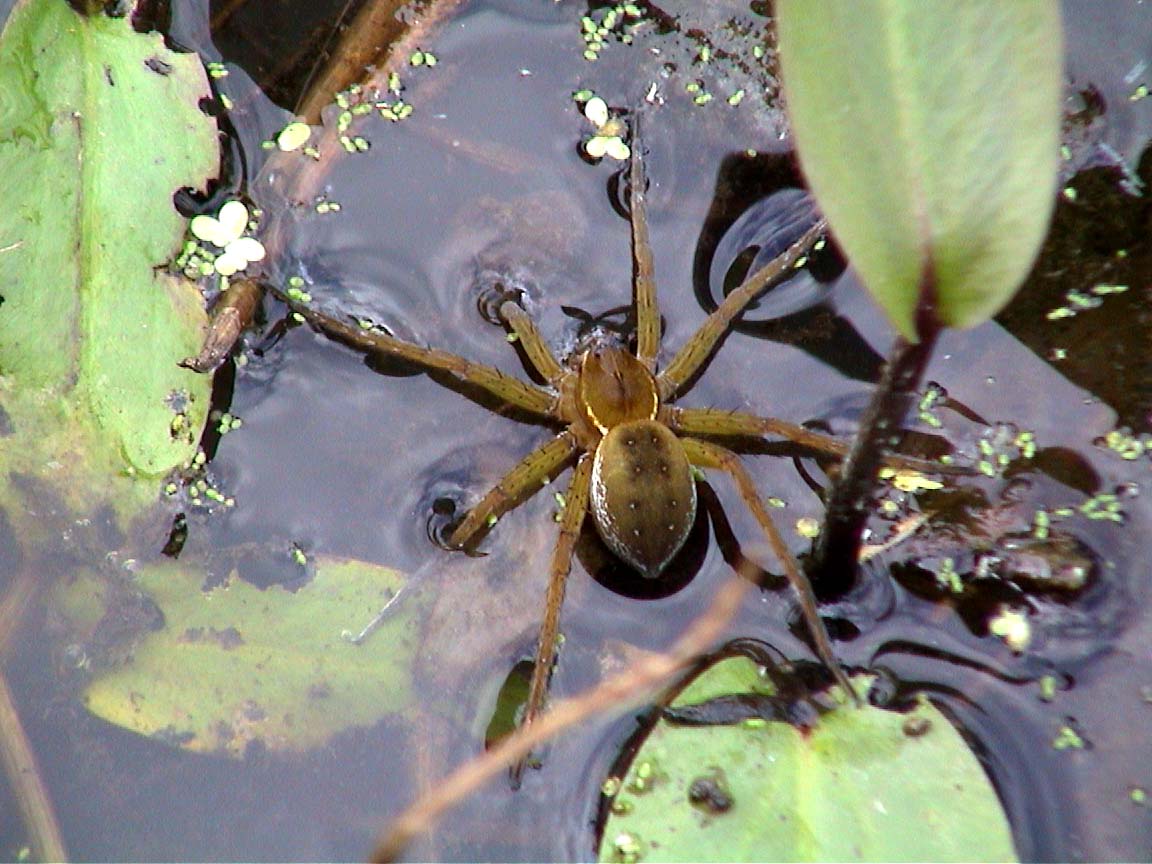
pixel 631 448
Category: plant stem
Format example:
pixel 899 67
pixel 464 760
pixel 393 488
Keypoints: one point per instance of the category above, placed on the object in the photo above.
pixel 16 754
pixel 27 784
pixel 849 505
pixel 613 694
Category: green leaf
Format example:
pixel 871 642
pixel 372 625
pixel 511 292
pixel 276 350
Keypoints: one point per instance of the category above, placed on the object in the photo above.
pixel 930 134
pixel 101 127
pixel 238 664
pixel 864 784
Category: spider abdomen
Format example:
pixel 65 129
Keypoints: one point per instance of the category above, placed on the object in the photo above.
pixel 643 497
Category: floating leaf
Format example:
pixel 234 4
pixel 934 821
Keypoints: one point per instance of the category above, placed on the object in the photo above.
pixel 238 664
pixel 100 126
pixel 862 784
pixel 930 133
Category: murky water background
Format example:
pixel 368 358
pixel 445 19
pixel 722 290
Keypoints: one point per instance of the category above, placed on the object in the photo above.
pixel 485 183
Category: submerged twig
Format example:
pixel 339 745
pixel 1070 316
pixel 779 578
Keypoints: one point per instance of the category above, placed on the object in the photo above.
pixel 27 784
pixel 233 312
pixel 368 42
pixel 16 754
pixel 375 26
pixel 639 678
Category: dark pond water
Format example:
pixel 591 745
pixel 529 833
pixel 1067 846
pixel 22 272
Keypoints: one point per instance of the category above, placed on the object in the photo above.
pixel 485 185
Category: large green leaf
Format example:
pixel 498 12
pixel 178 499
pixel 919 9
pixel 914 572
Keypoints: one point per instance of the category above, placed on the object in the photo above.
pixel 930 133
pixel 864 784
pixel 237 664
pixel 100 126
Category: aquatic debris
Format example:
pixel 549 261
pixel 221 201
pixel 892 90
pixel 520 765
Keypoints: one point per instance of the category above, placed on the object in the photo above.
pixel 293 136
pixel 1013 627
pixel 226 231
pixel 610 129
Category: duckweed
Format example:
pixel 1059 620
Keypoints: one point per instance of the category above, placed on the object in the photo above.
pixel 1068 739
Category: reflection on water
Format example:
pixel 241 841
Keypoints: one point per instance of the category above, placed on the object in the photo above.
pixel 485 190
pixel 761 233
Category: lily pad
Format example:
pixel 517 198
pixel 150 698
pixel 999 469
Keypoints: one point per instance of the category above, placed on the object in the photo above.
pixel 101 126
pixel 930 133
pixel 237 664
pixel 860 784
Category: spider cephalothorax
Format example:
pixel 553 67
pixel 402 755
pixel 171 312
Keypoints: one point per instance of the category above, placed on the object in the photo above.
pixel 630 449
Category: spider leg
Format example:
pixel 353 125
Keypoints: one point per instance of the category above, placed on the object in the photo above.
pixel 691 358
pixel 717 421
pixel 523 328
pixel 708 455
pixel 492 381
pixel 575 507
pixel 526 478
pixel 647 313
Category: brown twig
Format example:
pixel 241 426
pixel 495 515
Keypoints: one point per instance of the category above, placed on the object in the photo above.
pixel 364 44
pixel 16 752
pixel 230 316
pixel 375 26
pixel 27 784
pixel 617 692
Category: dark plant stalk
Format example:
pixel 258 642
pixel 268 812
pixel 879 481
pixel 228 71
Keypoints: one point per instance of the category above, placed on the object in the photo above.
pixel 833 569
